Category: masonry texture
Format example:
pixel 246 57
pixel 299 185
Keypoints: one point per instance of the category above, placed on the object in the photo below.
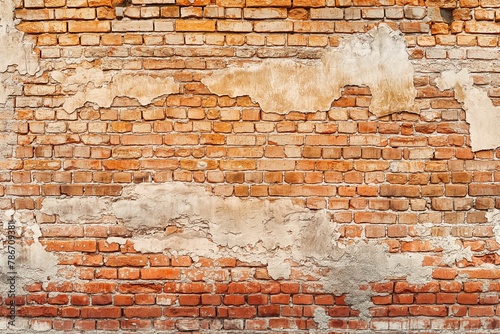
pixel 250 166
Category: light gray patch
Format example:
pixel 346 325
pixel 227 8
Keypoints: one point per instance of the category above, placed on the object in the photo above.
pixel 321 318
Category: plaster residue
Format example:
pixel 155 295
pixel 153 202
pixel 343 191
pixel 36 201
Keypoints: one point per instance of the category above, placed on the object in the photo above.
pixel 493 216
pixel 33 263
pixel 8 135
pixel 15 50
pixel 179 219
pixel 99 87
pixel 321 318
pixel 377 59
pixel 452 251
pixel 364 262
pixel 482 116
pixel 6 86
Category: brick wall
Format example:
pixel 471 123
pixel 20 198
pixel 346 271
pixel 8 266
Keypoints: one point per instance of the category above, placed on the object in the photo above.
pixel 146 202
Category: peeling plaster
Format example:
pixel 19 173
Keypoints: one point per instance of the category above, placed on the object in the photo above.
pixel 74 208
pixel 8 137
pixel 364 262
pixel 452 251
pixel 493 216
pixel 277 233
pixel 101 88
pixel 183 219
pixel 482 116
pixel 15 50
pixel 377 59
pixel 33 262
pixel 321 318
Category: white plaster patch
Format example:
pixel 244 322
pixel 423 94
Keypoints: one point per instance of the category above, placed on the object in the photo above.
pixel 14 50
pixel 74 209
pixel 377 59
pixel 277 268
pixel 452 251
pixel 101 88
pixel 482 116
pixel 41 326
pixel 32 263
pixel 493 216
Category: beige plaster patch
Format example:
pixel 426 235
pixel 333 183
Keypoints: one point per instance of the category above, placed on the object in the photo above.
pixel 15 50
pixel 377 59
pixel 183 219
pixel 32 262
pixel 99 87
pixel 482 116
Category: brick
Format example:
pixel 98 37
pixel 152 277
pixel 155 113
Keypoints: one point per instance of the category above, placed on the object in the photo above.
pixel 432 311
pixel 160 273
pixel 142 312
pixel 273 26
pixel 131 26
pixel 244 312
pixel 375 217
pixel 484 189
pixel 482 27
pixel 399 191
pixel 101 312
pixel 234 26
pixel 269 3
pixel 309 3
pixel 195 25
pixel 127 260
pixel 314 27
pixel 265 13
pixel 93 26
pixel 42 27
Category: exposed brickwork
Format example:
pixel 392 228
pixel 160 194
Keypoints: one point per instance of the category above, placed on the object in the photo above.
pixel 399 180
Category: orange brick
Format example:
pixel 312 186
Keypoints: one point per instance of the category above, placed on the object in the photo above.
pixel 194 25
pixel 269 3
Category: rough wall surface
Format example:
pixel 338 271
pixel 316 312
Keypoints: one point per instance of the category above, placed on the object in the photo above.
pixel 303 166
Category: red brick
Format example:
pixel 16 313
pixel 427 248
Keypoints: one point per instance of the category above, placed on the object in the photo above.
pixel 269 311
pixel 209 299
pixel 302 299
pixel 160 273
pixel 142 312
pixel 242 312
pixel 127 260
pixel 181 311
pixel 468 298
pixel 257 299
pixel 101 312
pixel 430 311
pixel 189 300
pixel 234 300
